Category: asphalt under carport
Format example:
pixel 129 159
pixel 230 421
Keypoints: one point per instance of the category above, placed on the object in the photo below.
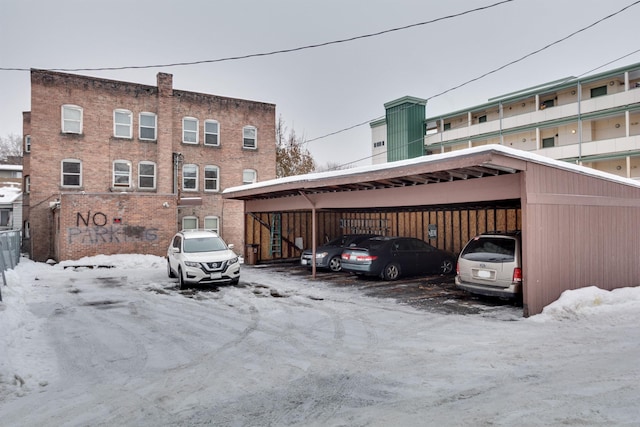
pixel 436 293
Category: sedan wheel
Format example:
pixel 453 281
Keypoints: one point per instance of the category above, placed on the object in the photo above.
pixel 446 266
pixel 391 272
pixel 334 264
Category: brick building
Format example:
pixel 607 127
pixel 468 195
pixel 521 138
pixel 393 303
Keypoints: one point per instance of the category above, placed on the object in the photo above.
pixel 115 167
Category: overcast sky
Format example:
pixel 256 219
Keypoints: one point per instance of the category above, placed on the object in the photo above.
pixel 322 90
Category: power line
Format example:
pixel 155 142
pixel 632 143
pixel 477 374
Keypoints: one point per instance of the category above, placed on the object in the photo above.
pixel 414 141
pixel 275 52
pixel 494 70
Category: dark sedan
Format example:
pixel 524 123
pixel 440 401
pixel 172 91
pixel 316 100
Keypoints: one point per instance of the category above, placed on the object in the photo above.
pixel 328 255
pixel 392 257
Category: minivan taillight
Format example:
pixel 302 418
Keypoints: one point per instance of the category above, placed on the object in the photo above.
pixel 517 275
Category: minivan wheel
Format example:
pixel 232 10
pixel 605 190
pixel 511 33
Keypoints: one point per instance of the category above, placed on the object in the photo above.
pixel 446 266
pixel 334 264
pixel 391 271
pixel 170 272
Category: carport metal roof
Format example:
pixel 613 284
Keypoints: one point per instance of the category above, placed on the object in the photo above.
pixel 433 169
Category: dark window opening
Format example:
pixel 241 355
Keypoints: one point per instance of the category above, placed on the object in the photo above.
pixel 598 91
pixel 548 142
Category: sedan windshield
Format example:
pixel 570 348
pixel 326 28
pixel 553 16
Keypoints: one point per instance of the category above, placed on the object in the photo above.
pixel 204 244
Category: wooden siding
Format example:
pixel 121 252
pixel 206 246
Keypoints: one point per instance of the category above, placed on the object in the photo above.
pixel 578 231
pixel 455 226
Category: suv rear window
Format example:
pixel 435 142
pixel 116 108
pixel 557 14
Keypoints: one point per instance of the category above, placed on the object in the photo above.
pixel 490 249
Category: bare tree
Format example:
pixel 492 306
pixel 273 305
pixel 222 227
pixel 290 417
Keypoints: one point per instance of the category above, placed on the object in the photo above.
pixel 291 157
pixel 11 148
pixel 333 166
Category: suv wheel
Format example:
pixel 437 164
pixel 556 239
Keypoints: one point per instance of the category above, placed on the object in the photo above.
pixel 170 272
pixel 181 282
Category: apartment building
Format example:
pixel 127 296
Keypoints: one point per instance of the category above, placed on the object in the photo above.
pixel 116 167
pixel 592 120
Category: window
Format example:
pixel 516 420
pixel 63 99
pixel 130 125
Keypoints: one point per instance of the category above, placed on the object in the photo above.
pixel 147 175
pixel 211 174
pixel 189 223
pixel 27 144
pixel 71 173
pixel 121 173
pixel 482 119
pixel 546 104
pixel 122 123
pixel 190 177
pixel 211 132
pixel 446 126
pixel 211 223
pixel 190 130
pixel 598 91
pixel 147 129
pixel 548 142
pixel 71 119
pixel 249 137
pixel 248 176
pixel 27 184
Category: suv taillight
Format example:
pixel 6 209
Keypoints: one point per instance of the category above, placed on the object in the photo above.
pixel 458 268
pixel 517 275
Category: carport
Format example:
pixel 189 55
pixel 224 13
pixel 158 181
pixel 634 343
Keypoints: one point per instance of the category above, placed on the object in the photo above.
pixel 578 225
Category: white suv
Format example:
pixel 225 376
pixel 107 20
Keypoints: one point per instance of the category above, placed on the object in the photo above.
pixel 201 256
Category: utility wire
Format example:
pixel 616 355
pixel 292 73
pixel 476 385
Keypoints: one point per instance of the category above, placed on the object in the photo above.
pixel 492 71
pixel 275 52
pixel 414 141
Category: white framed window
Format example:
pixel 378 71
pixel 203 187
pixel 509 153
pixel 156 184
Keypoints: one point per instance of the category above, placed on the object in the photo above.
pixel 27 184
pixel 71 173
pixel 122 123
pixel 249 176
pixel 189 223
pixel 71 119
pixel 212 223
pixel 211 132
pixel 190 177
pixel 249 137
pixel 148 126
pixel 121 173
pixel 211 178
pixel 189 130
pixel 147 175
pixel 27 143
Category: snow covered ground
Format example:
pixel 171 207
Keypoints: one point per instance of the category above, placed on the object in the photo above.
pixel 123 346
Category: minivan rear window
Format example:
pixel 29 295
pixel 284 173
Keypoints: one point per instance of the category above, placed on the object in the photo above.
pixel 490 249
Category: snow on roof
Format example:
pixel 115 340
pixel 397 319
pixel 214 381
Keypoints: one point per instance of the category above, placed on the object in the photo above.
pixel 9 194
pixel 507 151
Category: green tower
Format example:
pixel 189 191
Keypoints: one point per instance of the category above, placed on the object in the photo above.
pixel 405 128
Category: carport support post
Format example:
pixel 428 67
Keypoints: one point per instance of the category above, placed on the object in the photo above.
pixel 313 233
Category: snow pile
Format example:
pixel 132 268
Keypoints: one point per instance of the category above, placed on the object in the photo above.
pixel 591 301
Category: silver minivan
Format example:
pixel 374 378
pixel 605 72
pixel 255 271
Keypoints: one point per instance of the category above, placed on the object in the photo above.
pixel 491 264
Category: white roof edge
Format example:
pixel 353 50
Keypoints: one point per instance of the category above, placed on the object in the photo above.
pixel 508 151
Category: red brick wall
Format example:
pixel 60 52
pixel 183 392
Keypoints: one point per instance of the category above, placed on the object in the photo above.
pixel 97 148
pixel 94 224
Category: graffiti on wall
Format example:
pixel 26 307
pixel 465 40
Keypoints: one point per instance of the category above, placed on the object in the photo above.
pixel 95 228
